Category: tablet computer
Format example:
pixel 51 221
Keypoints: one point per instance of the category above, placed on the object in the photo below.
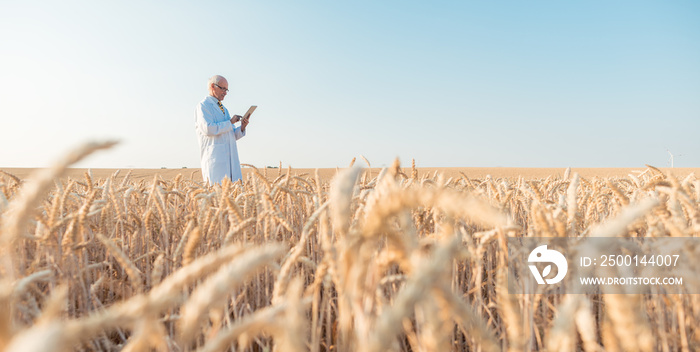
pixel 250 111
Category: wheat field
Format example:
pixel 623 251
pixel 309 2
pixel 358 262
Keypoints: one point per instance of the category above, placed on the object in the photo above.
pixel 362 261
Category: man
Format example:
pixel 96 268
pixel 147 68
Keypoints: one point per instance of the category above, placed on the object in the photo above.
pixel 217 134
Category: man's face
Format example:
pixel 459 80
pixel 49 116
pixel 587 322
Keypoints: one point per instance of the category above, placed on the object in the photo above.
pixel 220 90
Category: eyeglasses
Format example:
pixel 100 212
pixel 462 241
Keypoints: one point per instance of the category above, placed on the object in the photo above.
pixel 220 87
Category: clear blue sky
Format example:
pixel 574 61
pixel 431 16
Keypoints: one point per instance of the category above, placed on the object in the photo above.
pixel 449 83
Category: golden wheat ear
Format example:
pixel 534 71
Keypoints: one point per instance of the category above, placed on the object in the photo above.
pixel 22 207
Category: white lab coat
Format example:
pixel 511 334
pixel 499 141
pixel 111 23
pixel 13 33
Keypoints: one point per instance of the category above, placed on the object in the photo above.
pixel 217 142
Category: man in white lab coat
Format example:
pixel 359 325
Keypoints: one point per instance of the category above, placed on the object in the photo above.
pixel 217 134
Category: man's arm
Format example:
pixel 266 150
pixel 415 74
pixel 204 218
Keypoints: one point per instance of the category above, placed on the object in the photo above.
pixel 244 123
pixel 206 124
pixel 239 132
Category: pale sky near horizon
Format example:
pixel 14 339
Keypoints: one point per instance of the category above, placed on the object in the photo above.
pixel 447 83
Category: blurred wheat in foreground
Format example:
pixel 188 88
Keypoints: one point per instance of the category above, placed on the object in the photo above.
pixel 394 262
